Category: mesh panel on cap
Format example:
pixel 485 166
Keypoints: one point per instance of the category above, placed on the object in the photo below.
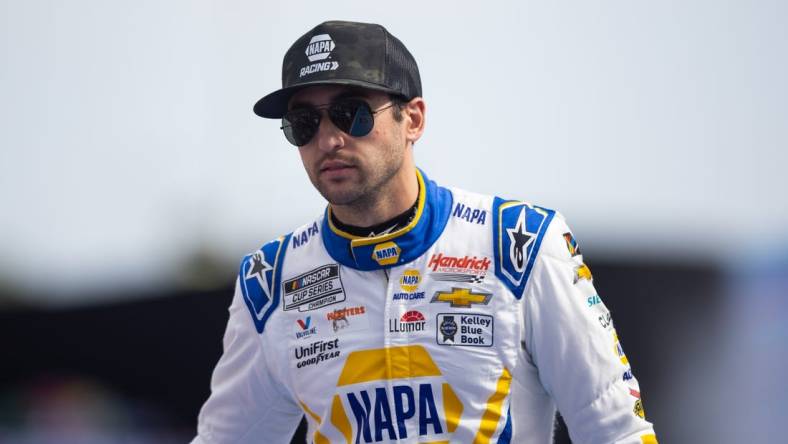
pixel 401 69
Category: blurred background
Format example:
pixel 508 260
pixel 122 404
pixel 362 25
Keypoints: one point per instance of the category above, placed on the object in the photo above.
pixel 134 176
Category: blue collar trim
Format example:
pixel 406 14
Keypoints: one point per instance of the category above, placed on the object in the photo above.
pixel 399 247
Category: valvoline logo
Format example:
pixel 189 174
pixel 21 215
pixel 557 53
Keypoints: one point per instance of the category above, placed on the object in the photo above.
pixel 305 328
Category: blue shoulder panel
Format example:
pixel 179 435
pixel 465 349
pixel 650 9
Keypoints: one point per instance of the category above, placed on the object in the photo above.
pixel 260 278
pixel 518 230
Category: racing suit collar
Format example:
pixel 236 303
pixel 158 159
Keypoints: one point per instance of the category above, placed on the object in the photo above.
pixel 398 247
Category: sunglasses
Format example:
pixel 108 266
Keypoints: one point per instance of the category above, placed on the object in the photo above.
pixel 352 116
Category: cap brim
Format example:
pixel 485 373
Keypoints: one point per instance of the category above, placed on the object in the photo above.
pixel 274 105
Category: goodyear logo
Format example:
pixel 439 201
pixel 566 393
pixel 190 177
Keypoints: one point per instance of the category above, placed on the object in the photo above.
pixel 319 47
pixel 410 280
pixel 386 253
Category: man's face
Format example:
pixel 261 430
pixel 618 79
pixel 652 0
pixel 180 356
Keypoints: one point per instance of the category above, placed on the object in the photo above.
pixel 349 170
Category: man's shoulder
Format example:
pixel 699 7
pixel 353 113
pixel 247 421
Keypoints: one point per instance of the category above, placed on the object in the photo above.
pixel 260 272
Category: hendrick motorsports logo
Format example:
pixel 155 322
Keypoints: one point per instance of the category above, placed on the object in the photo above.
pixel 319 48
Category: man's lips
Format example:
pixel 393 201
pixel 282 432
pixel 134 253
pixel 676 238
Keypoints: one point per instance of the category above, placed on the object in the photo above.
pixel 334 165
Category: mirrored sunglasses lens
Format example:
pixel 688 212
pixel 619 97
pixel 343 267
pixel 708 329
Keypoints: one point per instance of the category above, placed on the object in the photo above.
pixel 353 117
pixel 300 126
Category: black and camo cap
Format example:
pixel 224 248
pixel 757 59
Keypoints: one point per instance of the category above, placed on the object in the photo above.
pixel 344 53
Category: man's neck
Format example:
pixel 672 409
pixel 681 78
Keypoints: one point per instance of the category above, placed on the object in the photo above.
pixel 394 201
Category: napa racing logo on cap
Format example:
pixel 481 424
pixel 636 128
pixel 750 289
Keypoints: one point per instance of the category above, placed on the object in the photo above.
pixel 386 253
pixel 409 283
pixel 319 48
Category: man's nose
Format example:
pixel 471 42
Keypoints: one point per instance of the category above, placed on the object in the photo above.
pixel 329 137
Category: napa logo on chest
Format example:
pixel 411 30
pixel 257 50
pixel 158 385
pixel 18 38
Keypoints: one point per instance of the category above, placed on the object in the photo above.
pixel 391 394
pixel 386 253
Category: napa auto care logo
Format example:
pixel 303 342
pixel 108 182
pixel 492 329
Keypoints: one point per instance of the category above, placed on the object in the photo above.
pixel 409 283
pixel 318 49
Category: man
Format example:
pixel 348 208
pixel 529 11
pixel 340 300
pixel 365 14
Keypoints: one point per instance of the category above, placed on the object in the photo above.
pixel 408 312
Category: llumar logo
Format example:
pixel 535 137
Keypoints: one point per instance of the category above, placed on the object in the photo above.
pixel 318 49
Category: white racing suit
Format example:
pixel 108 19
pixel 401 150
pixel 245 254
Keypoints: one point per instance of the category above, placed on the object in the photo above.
pixel 470 325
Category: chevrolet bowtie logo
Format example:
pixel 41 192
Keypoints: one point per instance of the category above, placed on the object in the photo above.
pixel 461 297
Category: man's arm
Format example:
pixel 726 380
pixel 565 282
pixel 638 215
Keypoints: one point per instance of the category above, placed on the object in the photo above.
pixel 247 403
pixel 572 341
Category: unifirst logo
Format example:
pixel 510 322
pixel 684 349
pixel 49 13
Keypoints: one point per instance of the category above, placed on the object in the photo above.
pixel 319 48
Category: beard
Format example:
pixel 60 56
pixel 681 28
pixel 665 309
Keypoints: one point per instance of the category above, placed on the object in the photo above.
pixel 364 186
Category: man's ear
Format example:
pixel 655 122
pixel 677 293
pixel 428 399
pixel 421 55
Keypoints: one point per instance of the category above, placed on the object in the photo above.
pixel 414 113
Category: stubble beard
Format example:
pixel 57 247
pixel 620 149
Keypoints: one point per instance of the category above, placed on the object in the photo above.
pixel 371 185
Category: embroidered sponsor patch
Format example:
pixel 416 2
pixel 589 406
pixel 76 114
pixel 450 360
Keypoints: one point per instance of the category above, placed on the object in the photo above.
pixel 304 327
pixel 348 318
pixel 411 321
pixel 318 50
pixel 571 245
pixel 386 253
pixel 316 352
pixel 583 272
pixel 315 289
pixel 409 283
pixel 465 329
pixel 470 269
pixel 461 297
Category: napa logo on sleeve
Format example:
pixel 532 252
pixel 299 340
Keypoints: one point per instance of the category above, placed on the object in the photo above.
pixel 318 50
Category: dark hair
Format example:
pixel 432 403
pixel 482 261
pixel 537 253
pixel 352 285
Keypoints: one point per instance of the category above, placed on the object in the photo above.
pixel 399 102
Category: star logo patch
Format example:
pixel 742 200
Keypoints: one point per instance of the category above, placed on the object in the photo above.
pixel 519 239
pixel 257 269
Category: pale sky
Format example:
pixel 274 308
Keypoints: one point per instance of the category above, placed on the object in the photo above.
pixel 128 142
